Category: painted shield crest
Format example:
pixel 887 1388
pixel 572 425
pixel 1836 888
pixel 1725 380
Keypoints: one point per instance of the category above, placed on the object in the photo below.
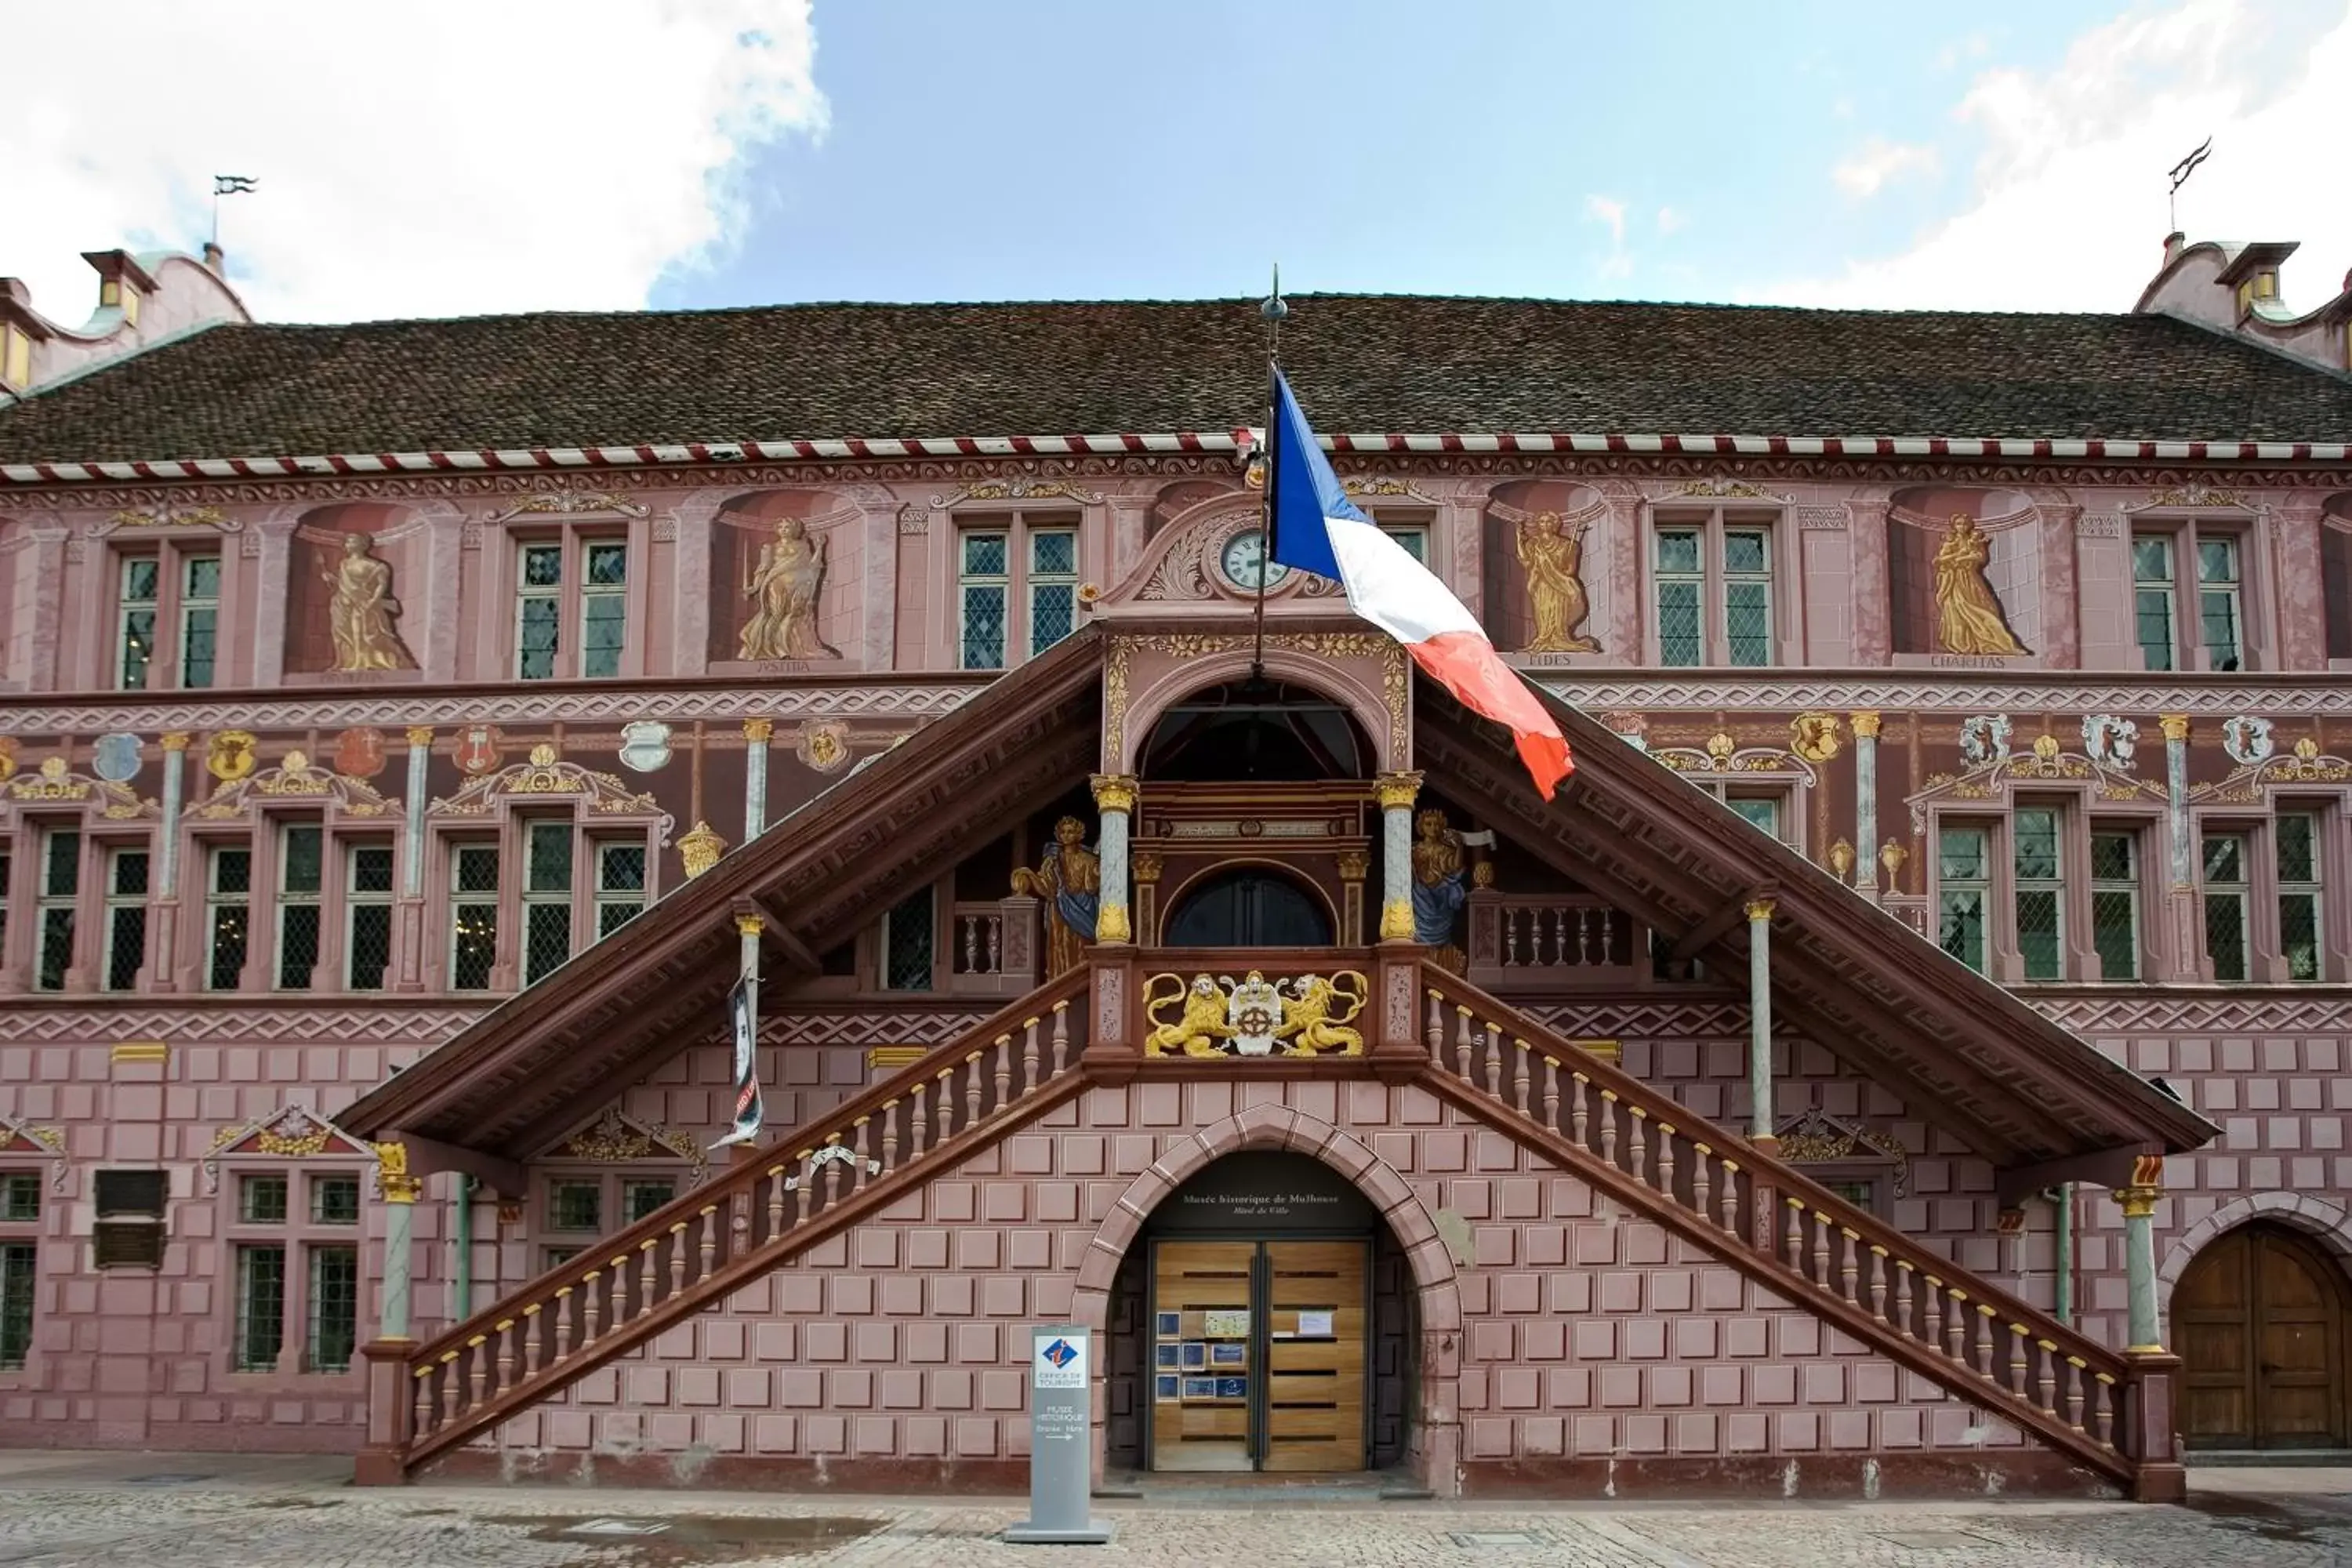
pixel 645 745
pixel 115 758
pixel 230 755
pixel 2247 740
pixel 477 749
pixel 824 745
pixel 7 757
pixel 359 753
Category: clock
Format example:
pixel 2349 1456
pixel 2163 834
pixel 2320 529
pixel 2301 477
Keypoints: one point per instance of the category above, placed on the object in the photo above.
pixel 1245 558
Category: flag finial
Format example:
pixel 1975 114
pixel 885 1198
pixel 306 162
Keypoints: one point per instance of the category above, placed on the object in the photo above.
pixel 1274 309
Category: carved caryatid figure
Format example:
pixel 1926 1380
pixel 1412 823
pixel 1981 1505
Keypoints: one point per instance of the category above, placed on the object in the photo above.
pixel 1438 884
pixel 783 592
pixel 1967 617
pixel 1551 550
pixel 362 612
pixel 1070 883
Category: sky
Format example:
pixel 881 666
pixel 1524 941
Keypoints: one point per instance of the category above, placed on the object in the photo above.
pixel 449 157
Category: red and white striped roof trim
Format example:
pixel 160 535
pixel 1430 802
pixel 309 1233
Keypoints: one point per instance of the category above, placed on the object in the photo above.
pixel 794 449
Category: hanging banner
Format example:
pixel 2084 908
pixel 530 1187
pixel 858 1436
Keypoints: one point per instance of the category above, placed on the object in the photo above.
pixel 748 1112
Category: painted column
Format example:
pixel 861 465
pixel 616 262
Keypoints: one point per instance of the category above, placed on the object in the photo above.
pixel 1759 1026
pixel 401 1192
pixel 2138 1202
pixel 1872 627
pixel 2182 956
pixel 1865 722
pixel 1396 793
pixel 756 733
pixel 1115 799
pixel 167 868
pixel 412 847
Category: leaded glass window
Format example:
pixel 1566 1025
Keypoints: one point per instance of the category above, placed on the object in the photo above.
pixel 620 885
pixel 1963 889
pixel 261 1200
pixel 60 892
pixel 367 914
pixel 260 1330
pixel 546 900
pixel 200 586
pixel 575 1206
pixel 1681 583
pixel 1748 595
pixel 2040 893
pixel 906 944
pixel 2115 904
pixel 228 895
pixel 983 583
pixel 334 1200
pixel 19 1264
pixel 136 607
pixel 2152 597
pixel 640 1198
pixel 603 607
pixel 474 916
pixel 20 1197
pixel 2297 838
pixel 2226 898
pixel 126 917
pixel 334 1308
pixel 538 609
pixel 1053 586
pixel 301 874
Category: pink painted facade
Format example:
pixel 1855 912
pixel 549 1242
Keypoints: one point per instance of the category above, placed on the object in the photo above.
pixel 571 662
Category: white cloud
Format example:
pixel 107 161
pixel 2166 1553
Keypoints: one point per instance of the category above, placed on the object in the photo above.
pixel 1879 163
pixel 2067 209
pixel 1671 221
pixel 436 158
pixel 1609 211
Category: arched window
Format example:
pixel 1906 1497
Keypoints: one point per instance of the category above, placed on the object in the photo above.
pixel 1250 906
pixel 1271 733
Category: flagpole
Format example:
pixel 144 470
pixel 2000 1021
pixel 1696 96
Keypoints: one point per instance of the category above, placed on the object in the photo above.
pixel 1272 309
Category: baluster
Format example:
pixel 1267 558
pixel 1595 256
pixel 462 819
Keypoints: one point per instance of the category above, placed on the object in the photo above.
pixel 804 1182
pixel 1820 1250
pixel 971 1091
pixel 1797 1238
pixel 1608 1127
pixel 946 1099
pixel 1577 1114
pixel 534 1340
pixel 1433 1033
pixel 1520 1077
pixel 1931 1312
pixel 1637 1145
pixel 2103 1411
pixel 562 1321
pixel 2077 1374
pixel 995 924
pixel 427 1400
pixel 589 1292
pixel 506 1355
pixel 710 1248
pixel 1903 1298
pixel 2047 1384
pixel 1981 1356
pixel 1955 1324
pixel 1462 1043
pixel 1878 1284
pixel 777 1184
pixel 1552 1094
pixel 858 1174
pixel 1029 1057
pixel 1510 940
pixel 677 1258
pixel 1731 1197
pixel 1492 1050
pixel 890 1136
pixel 644 1278
pixel 1847 1271
pixel 1003 1071
pixel 832 1167
pixel 1667 1162
pixel 970 944
pixel 2019 1344
pixel 922 1125
pixel 449 1390
pixel 1061 1037
pixel 1699 1152
pixel 478 1370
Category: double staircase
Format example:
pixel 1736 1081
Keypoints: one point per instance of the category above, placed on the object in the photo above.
pixel 1746 1209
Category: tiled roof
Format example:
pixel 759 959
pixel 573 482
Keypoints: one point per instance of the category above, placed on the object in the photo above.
pixel 1361 363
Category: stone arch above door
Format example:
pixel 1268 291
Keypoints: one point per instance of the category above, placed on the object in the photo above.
pixel 2328 1223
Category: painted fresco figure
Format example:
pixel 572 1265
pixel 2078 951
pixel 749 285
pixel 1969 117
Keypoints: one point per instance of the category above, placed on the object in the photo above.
pixel 1440 886
pixel 1968 616
pixel 1552 552
pixel 359 615
pixel 1069 882
pixel 783 592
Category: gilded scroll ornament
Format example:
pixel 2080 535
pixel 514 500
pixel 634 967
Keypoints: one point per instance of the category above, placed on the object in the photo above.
pixel 1307 1016
pixel 362 613
pixel 1551 550
pixel 1968 618
pixel 784 592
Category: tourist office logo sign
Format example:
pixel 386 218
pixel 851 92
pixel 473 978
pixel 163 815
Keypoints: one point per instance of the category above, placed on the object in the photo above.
pixel 1062 1363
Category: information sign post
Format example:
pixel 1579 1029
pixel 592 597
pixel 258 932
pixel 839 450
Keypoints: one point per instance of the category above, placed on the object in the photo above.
pixel 1061 1444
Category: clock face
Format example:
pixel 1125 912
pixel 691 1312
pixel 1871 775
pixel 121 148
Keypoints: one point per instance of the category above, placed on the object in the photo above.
pixel 1245 558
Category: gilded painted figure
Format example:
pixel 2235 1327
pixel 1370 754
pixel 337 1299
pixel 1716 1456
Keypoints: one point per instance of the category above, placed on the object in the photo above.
pixel 1070 883
pixel 1968 616
pixel 1551 550
pixel 1439 888
pixel 361 613
pixel 783 592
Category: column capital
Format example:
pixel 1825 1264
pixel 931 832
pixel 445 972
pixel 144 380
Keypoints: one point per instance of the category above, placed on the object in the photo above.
pixel 1146 863
pixel 1865 722
pixel 1397 792
pixel 1759 910
pixel 392 1174
pixel 758 730
pixel 1353 864
pixel 749 925
pixel 2138 1203
pixel 1115 792
pixel 2176 726
pixel 176 740
pixel 420 734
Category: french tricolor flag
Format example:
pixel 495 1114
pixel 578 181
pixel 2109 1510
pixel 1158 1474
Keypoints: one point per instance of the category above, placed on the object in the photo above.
pixel 1316 527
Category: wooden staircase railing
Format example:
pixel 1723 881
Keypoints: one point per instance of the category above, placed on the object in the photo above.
pixel 695 1250
pixel 1879 1286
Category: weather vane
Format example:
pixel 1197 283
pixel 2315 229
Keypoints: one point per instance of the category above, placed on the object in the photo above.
pixel 2180 173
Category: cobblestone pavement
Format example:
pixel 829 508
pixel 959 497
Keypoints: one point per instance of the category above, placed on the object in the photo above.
pixel 224 1512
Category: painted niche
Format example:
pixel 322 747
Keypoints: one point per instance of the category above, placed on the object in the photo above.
pixel 351 564
pixel 1540 543
pixel 778 558
pixel 1964 573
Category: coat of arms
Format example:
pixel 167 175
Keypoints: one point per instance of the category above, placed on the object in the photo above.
pixel 231 755
pixel 1985 739
pixel 2247 740
pixel 476 750
pixel 115 758
pixel 2107 740
pixel 359 753
pixel 1254 1016
pixel 7 757
pixel 824 746
pixel 645 745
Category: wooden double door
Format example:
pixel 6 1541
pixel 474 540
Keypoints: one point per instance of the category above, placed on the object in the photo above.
pixel 2259 1322
pixel 1257 1355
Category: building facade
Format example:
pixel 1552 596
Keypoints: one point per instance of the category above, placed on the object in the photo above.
pixel 1909 1055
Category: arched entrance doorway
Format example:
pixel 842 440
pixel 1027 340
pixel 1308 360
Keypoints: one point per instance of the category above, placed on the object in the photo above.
pixel 2259 1320
pixel 1265 1319
pixel 1247 906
